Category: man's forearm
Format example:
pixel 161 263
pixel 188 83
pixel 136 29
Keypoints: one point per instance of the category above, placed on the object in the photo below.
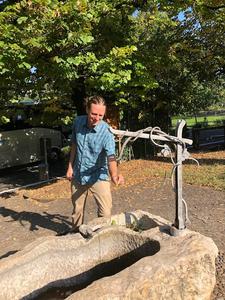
pixel 69 173
pixel 72 154
pixel 113 170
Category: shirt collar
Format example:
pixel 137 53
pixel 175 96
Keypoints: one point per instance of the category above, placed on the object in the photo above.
pixel 96 128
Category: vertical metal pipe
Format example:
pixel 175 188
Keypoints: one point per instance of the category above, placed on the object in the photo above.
pixel 179 217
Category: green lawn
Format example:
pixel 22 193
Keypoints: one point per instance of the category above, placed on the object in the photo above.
pixel 209 120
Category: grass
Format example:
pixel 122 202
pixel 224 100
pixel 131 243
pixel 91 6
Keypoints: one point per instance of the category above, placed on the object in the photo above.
pixel 191 121
pixel 206 175
pixel 210 172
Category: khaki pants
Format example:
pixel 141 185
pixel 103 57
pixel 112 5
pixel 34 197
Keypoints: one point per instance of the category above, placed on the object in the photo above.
pixel 102 195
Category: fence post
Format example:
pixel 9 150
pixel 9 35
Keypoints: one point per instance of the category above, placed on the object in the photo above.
pixel 195 137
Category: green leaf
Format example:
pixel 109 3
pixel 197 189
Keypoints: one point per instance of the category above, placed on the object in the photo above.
pixel 4 70
pixel 24 64
pixel 4 120
pixel 86 39
pixel 74 60
pixel 57 59
pixel 21 20
pixel 28 66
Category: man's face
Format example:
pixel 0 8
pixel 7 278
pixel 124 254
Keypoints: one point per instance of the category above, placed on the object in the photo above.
pixel 95 114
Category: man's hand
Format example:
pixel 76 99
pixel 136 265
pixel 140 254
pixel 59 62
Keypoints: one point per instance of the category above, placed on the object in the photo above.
pixel 113 171
pixel 69 173
pixel 118 179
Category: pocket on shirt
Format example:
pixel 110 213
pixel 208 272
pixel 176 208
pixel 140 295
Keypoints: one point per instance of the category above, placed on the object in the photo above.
pixel 96 150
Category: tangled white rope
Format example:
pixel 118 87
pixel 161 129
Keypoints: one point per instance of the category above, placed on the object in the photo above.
pixel 155 133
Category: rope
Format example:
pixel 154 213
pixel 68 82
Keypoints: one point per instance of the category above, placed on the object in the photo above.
pixel 132 140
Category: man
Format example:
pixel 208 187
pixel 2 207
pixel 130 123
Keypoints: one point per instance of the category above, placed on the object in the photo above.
pixel 92 160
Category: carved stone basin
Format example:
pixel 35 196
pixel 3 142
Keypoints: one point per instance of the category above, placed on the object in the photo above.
pixel 117 262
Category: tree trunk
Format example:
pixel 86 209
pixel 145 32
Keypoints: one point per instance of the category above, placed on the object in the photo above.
pixel 162 119
pixel 78 96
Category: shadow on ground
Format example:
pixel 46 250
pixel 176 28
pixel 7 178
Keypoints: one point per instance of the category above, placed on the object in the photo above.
pixel 54 222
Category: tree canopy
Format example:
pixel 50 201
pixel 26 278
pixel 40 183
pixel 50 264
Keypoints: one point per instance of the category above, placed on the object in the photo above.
pixel 153 56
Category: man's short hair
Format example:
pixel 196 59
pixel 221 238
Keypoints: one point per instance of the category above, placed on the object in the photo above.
pixel 94 100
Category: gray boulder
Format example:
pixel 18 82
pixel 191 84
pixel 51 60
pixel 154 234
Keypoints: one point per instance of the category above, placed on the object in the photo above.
pixel 128 256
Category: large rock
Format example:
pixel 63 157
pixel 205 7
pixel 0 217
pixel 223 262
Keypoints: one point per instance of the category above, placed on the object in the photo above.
pixel 145 263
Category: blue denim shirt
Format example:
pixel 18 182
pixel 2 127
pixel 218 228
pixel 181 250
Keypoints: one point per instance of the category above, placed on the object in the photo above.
pixel 93 146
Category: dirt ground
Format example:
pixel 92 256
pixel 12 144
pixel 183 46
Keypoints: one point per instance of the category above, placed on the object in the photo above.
pixel 41 211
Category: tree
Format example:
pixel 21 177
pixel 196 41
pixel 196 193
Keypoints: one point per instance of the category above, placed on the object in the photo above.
pixel 75 47
pixel 139 54
pixel 186 57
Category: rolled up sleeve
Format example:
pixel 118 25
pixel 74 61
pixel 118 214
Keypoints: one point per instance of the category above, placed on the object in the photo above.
pixel 110 145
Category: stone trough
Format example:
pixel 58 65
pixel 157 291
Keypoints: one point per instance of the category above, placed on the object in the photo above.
pixel 130 256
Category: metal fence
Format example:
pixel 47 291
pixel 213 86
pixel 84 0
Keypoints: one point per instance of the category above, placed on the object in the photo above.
pixel 207 138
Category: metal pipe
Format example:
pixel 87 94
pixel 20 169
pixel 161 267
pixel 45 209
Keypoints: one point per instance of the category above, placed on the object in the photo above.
pixel 179 218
